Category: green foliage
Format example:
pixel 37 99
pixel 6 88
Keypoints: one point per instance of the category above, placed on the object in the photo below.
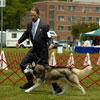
pixel 13 12
pixel 79 28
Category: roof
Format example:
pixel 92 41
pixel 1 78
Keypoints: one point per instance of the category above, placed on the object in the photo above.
pixel 92 33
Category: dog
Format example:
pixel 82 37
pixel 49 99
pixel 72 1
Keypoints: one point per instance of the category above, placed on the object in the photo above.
pixel 50 74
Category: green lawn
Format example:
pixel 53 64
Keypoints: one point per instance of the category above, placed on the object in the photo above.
pixel 8 91
pixel 13 92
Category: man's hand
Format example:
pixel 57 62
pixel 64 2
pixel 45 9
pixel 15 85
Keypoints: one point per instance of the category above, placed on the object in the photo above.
pixel 17 45
pixel 51 46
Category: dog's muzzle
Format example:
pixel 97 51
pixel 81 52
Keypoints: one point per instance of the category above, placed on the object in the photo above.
pixel 28 69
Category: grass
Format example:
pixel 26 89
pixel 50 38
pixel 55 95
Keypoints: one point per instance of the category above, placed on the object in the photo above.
pixel 13 92
pixel 8 91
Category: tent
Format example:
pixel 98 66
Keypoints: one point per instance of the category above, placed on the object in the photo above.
pixel 92 33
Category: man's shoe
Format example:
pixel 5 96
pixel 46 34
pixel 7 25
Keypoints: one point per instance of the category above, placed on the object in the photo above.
pixel 27 85
pixel 58 90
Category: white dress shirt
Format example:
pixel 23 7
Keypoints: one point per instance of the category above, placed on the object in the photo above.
pixel 34 27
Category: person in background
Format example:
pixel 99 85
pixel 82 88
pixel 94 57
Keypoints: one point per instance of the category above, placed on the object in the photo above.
pixel 94 43
pixel 98 40
pixel 37 31
pixel 87 43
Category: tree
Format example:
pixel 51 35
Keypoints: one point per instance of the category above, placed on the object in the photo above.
pixel 79 28
pixel 13 12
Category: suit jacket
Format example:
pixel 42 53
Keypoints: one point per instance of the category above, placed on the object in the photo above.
pixel 40 41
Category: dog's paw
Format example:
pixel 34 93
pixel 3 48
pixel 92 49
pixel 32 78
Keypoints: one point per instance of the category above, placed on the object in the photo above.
pixel 27 91
pixel 61 93
pixel 84 94
pixel 53 92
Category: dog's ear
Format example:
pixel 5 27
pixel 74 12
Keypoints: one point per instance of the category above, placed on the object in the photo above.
pixel 33 64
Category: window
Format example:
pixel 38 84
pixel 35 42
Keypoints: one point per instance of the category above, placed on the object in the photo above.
pixel 71 8
pixel 60 18
pixel 89 18
pixel 68 38
pixel 60 28
pixel 69 28
pixel 84 9
pixel 97 9
pixel 51 16
pixel 14 35
pixel 28 42
pixel 83 19
pixel 51 7
pixel 71 18
pixel 90 9
pixel 97 19
pixel 51 23
pixel 60 8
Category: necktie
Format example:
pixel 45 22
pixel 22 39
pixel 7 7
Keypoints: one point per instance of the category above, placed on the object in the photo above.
pixel 33 29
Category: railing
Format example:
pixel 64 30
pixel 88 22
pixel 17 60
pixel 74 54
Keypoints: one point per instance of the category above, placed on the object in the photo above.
pixel 14 74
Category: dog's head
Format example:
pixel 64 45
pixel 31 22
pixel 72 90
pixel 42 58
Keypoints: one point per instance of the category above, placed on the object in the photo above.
pixel 29 68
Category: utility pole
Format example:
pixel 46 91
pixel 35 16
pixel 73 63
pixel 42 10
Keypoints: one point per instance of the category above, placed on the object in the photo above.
pixel 2 4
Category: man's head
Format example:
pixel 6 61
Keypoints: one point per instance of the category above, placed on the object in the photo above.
pixel 34 14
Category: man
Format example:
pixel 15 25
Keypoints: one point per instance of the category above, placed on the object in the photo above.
pixel 37 31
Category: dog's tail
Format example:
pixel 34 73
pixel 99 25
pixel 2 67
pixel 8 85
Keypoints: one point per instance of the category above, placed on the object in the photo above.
pixel 82 72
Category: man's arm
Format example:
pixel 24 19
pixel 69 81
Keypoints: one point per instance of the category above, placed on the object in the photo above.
pixel 17 45
pixel 23 37
pixel 48 37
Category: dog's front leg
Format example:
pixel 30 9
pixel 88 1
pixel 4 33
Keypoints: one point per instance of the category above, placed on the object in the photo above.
pixel 39 82
pixel 51 88
pixel 65 86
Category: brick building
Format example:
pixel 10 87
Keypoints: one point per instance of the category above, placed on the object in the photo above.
pixel 61 15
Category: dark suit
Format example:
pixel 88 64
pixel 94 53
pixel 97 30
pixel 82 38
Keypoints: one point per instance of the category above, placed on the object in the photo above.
pixel 40 46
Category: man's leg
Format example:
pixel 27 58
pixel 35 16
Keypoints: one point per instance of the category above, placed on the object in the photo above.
pixel 56 87
pixel 29 58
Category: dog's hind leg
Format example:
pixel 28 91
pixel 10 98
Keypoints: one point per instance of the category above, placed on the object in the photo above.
pixel 39 82
pixel 73 79
pixel 51 88
pixel 81 88
pixel 65 86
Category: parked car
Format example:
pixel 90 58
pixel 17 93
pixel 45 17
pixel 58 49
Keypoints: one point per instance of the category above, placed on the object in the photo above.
pixel 52 34
pixel 63 43
pixel 55 44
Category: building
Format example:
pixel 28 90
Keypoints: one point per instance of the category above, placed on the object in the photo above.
pixel 61 15
pixel 93 1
